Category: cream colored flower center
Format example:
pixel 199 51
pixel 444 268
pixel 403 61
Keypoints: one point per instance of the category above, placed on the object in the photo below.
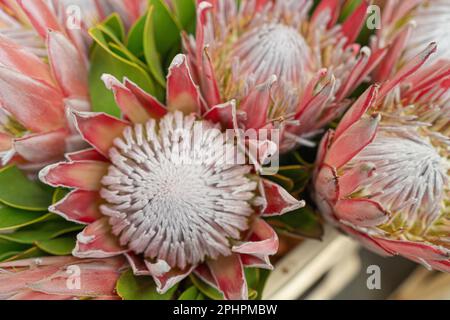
pixel 411 176
pixel 273 49
pixel 171 193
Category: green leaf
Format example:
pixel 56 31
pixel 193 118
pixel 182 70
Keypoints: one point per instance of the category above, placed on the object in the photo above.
pixel 252 277
pixel 12 218
pixel 33 252
pixel 166 29
pixel 103 61
pixel 135 41
pixel 185 14
pixel 59 194
pixel 9 249
pixel 115 24
pixel 42 231
pixel 300 176
pixel 206 289
pixel 131 287
pixel 18 192
pixel 303 223
pixel 263 277
pixel 58 247
pixel 151 54
pixel 190 294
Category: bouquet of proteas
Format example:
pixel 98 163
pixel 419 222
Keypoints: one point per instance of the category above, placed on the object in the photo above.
pixel 157 149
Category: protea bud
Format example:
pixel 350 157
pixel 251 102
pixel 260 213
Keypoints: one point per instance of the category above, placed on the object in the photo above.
pixel 159 188
pixel 382 176
pixel 279 63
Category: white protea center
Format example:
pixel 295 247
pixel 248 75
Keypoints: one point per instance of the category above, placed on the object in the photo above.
pixel 273 49
pixel 172 194
pixel 411 177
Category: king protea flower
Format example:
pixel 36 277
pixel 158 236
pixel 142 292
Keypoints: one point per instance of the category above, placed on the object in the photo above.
pixel 280 64
pixel 407 27
pixel 60 278
pixel 383 175
pixel 158 191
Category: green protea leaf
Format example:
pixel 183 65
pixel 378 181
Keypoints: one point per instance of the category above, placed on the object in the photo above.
pixel 19 192
pixel 301 223
pixel 131 287
pixel 58 247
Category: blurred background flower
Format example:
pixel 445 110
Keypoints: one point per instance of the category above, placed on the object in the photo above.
pixel 383 174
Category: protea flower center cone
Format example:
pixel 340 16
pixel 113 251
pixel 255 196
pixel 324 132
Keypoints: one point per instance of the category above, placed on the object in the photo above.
pixel 268 51
pixel 383 174
pixel 286 69
pixel 175 199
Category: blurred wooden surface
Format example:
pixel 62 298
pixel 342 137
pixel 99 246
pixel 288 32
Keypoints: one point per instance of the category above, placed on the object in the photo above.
pixel 424 285
pixel 314 269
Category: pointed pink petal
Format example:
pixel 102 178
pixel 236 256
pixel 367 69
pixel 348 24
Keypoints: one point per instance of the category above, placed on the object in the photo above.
pixel 40 16
pixel 409 69
pixel 97 279
pixel 324 147
pixel 443 266
pixel 153 107
pixel 228 273
pixel 389 63
pixel 128 103
pixel 203 7
pixel 358 109
pixel 424 250
pixel 361 212
pixel 42 147
pixel 203 272
pixel 353 179
pixel 352 141
pixel 79 206
pixel 100 129
pixel 369 242
pixel 352 80
pixel 68 68
pixel 137 264
pixel 182 93
pixel 251 261
pixel 262 243
pixel 226 114
pixel 256 104
pixel 97 241
pixel 332 9
pixel 20 59
pixel 354 23
pixel 84 175
pixel 327 183
pixel 375 59
pixel 209 84
pixel 314 109
pixel 12 282
pixel 166 280
pixel 37 106
pixel 278 200
pixel 89 154
pixel 308 94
